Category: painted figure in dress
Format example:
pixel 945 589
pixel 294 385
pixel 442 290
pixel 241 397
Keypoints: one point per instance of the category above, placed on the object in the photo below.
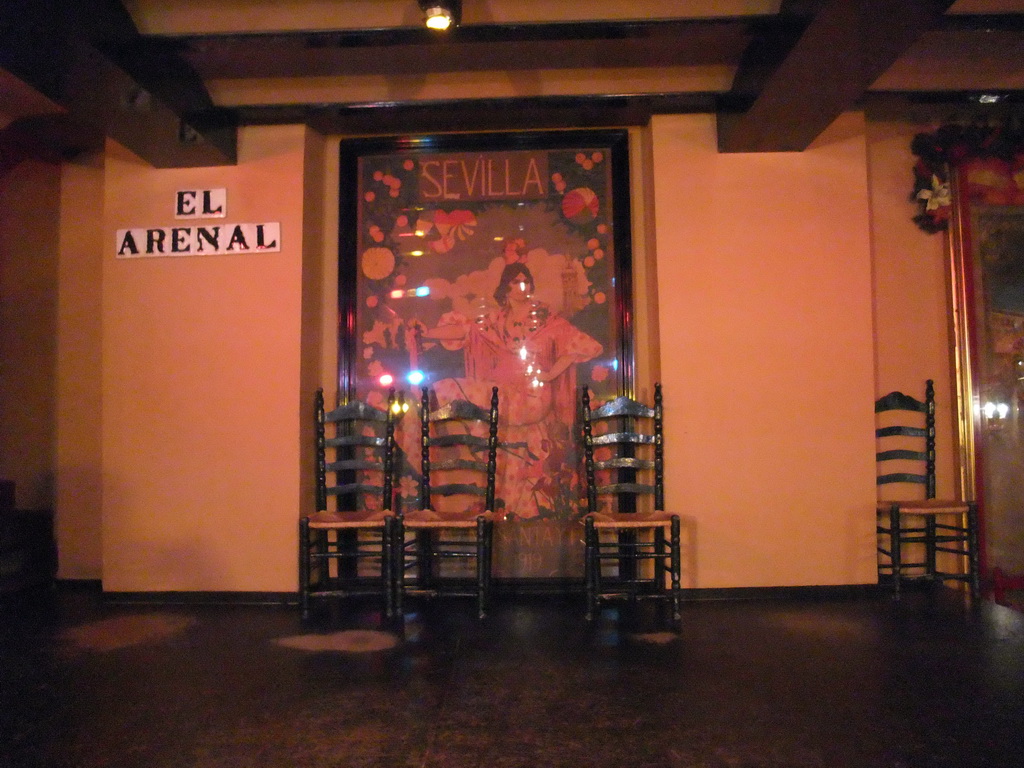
pixel 530 353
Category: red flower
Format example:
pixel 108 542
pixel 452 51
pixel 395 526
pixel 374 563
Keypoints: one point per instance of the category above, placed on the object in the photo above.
pixel 515 250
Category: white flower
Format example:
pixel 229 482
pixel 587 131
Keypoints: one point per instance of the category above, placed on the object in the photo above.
pixel 937 197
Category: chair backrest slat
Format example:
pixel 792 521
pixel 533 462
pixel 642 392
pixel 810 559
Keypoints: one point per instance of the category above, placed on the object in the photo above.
pixel 351 464
pixel 902 477
pixel 372 441
pixel 622 406
pixel 901 453
pixel 624 462
pixel 446 465
pixel 355 410
pixel 352 488
pixel 619 438
pixel 473 442
pixel 638 488
pixel 458 489
pixel 897 401
pixel 901 431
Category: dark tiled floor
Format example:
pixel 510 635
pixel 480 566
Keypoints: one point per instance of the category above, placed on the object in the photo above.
pixel 746 684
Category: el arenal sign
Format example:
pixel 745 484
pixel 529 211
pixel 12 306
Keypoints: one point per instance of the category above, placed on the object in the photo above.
pixel 199 239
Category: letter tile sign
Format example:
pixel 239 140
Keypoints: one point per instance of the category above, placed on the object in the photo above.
pixel 199 239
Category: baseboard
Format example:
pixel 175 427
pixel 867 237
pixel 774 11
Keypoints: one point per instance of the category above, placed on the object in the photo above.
pixel 502 588
pixel 810 592
pixel 79 585
pixel 523 587
pixel 526 587
pixel 201 598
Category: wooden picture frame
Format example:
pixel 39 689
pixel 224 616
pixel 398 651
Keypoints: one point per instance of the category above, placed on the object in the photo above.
pixel 503 259
pixel 987 279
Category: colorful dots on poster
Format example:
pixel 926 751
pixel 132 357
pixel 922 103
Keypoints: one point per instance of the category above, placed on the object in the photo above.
pixel 580 205
pixel 378 263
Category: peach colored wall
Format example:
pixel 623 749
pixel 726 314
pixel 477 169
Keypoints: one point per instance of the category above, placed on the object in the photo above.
pixel 29 228
pixel 79 520
pixel 319 302
pixel 202 409
pixel 763 301
pixel 764 279
pixel 911 288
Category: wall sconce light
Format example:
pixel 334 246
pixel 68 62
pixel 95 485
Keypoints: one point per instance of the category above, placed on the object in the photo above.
pixel 995 415
pixel 441 14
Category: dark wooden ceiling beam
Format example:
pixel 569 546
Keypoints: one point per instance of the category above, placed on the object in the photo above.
pixel 515 47
pixel 515 114
pixel 77 53
pixel 844 48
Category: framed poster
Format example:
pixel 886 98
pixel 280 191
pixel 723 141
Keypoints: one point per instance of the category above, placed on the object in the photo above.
pixel 481 260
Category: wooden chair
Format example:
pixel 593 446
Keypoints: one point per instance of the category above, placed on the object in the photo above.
pixel 640 546
pixel 906 455
pixel 459 444
pixel 355 446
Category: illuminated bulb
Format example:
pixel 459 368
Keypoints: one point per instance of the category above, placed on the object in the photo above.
pixel 415 377
pixel 996 410
pixel 438 17
pixel 386 380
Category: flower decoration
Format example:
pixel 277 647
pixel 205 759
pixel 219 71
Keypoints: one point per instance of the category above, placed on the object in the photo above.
pixel 936 200
pixel 447 227
pixel 988 156
pixel 515 250
pixel 458 224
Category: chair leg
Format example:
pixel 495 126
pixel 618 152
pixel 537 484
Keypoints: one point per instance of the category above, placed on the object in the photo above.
pixel 304 567
pixel 591 565
pixel 481 564
pixel 489 550
pixel 973 557
pixel 387 567
pixel 894 549
pixel 629 563
pixel 397 564
pixel 661 558
pixel 424 555
pixel 929 548
pixel 677 567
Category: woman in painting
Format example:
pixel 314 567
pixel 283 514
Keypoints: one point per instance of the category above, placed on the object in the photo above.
pixel 530 354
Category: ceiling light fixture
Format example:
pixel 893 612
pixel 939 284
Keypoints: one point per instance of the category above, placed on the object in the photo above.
pixel 440 14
